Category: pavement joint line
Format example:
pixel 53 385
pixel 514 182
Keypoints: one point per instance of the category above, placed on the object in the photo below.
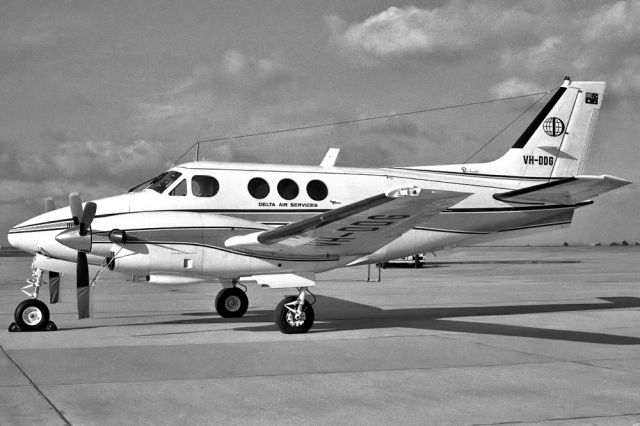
pixel 551 359
pixel 559 419
pixel 589 364
pixel 319 373
pixel 36 387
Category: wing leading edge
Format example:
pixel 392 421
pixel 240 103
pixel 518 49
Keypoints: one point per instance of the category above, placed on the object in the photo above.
pixel 352 230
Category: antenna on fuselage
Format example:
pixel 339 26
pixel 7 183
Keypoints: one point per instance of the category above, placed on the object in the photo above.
pixel 330 157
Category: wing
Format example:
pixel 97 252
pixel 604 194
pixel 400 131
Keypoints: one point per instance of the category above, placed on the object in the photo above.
pixel 352 230
pixel 564 191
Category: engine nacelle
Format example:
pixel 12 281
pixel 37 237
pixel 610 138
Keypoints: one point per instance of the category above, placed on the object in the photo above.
pixel 130 262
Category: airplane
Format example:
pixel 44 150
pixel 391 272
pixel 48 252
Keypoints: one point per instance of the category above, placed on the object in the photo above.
pixel 274 225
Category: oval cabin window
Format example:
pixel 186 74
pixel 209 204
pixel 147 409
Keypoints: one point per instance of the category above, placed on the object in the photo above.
pixel 288 189
pixel 258 188
pixel 317 190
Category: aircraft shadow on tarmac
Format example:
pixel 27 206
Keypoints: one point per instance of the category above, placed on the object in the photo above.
pixel 342 315
pixel 355 316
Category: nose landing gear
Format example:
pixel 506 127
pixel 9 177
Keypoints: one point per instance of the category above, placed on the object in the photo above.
pixel 32 314
pixel 294 315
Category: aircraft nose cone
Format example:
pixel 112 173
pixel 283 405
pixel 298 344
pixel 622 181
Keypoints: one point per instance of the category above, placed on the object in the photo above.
pixel 24 241
pixel 14 239
pixel 71 238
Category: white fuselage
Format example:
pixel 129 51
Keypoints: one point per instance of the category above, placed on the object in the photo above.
pixel 175 231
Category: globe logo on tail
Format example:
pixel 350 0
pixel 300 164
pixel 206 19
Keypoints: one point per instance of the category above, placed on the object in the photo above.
pixel 553 126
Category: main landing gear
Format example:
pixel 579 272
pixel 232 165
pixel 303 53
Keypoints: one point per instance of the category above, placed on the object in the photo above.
pixel 231 302
pixel 32 314
pixel 293 315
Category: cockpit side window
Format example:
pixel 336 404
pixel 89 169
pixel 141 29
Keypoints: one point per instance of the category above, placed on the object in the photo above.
pixel 163 181
pixel 180 189
pixel 204 186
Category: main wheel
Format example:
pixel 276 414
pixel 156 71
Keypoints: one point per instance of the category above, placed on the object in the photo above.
pixel 286 320
pixel 231 302
pixel 31 315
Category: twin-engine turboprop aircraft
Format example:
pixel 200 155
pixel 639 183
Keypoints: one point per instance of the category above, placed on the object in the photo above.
pixel 278 225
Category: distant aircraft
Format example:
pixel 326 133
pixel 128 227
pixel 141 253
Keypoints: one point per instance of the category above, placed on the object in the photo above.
pixel 279 225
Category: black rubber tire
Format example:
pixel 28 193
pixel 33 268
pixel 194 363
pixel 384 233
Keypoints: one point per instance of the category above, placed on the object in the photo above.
pixel 231 302
pixel 31 315
pixel 280 317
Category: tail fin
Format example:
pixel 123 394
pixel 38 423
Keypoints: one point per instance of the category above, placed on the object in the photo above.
pixel 556 142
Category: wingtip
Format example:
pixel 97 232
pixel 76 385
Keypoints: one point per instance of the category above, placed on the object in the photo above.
pixel 617 180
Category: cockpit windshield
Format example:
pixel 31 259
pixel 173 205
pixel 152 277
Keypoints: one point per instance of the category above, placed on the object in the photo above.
pixel 162 182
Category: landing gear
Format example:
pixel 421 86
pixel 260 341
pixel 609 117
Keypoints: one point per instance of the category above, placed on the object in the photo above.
pixel 31 315
pixel 231 302
pixel 294 315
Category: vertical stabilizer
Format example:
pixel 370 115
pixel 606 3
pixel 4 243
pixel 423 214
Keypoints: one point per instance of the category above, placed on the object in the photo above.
pixel 556 142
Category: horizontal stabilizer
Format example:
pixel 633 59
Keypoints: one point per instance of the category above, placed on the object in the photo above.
pixel 564 191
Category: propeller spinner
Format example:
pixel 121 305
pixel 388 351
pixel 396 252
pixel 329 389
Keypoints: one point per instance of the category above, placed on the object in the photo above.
pixel 79 236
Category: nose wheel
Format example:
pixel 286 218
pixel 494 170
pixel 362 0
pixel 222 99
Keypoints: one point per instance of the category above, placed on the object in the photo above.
pixel 32 315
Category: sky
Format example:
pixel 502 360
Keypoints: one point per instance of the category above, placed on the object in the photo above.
pixel 97 96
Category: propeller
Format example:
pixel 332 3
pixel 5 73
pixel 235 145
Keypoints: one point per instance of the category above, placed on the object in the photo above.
pixel 79 238
pixel 49 205
pixel 54 277
pixel 83 288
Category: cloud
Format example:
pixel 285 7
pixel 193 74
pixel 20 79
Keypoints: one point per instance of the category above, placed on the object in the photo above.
pixel 514 87
pixel 400 127
pixel 34 33
pixel 451 30
pixel 617 21
pixel 398 31
pixel 535 58
pixel 627 78
pixel 255 76
pixel 93 162
pixel 179 110
pixel 241 67
pixel 536 43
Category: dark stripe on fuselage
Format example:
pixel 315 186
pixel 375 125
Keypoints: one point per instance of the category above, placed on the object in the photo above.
pixel 33 227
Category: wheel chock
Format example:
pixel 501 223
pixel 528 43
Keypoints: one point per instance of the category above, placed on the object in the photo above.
pixel 51 326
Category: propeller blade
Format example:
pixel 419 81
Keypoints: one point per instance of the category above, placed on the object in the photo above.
pixel 54 287
pixel 76 207
pixel 84 290
pixel 88 214
pixel 49 205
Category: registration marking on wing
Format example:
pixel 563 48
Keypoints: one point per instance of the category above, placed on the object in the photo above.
pixel 370 224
